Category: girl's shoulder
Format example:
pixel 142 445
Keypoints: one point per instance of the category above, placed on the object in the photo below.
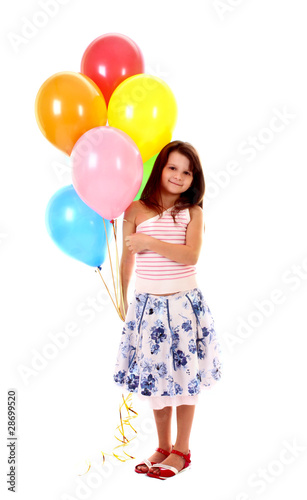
pixel 134 209
pixel 196 211
pixel 131 211
pixel 134 206
pixel 197 217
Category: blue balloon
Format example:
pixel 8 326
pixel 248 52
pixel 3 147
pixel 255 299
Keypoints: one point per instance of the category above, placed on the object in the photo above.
pixel 76 228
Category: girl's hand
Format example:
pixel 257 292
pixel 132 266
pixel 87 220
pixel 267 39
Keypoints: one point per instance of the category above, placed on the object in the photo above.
pixel 123 308
pixel 138 242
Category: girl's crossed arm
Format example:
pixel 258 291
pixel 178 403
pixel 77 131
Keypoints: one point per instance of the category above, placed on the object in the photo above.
pixel 184 254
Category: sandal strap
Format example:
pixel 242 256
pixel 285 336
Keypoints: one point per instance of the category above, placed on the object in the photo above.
pixel 167 467
pixel 186 457
pixel 147 462
pixel 166 453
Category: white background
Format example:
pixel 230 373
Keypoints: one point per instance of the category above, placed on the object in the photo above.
pixel 233 66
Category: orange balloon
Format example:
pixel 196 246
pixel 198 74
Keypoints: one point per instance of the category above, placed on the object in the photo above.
pixel 67 105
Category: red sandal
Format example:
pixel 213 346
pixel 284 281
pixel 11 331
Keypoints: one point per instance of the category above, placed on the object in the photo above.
pixel 166 471
pixel 149 464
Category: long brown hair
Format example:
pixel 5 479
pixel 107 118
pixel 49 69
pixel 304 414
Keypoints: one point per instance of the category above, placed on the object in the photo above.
pixel 193 196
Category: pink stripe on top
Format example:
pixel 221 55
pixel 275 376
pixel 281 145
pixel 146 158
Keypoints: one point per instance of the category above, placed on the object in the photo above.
pixel 155 273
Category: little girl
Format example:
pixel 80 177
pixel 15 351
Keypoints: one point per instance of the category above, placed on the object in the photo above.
pixel 169 349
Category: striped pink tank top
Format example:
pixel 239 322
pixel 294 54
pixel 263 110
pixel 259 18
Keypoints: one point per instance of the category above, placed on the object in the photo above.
pixel 157 274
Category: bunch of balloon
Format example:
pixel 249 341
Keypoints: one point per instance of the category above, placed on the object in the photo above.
pixel 112 120
pixel 107 171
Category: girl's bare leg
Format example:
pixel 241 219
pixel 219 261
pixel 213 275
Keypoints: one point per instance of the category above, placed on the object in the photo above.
pixel 185 415
pixel 163 419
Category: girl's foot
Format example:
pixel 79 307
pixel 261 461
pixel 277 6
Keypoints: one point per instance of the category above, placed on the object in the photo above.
pixel 157 457
pixel 174 460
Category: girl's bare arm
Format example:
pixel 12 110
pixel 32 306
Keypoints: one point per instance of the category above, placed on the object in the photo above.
pixel 187 254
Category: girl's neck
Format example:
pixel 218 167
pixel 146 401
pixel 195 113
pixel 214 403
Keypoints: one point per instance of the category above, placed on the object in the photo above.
pixel 167 202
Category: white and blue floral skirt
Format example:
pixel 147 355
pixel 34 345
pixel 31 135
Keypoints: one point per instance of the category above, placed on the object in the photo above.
pixel 169 349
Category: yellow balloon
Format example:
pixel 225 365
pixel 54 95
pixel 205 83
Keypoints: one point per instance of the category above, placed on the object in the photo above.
pixel 67 105
pixel 145 108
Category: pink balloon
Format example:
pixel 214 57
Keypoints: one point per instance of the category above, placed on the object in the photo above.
pixel 107 170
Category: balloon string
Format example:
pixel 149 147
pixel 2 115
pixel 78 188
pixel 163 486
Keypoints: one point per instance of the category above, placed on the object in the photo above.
pixel 107 288
pixel 116 305
pixel 125 407
pixel 116 261
pixel 122 299
pixel 111 264
pixel 124 422
pixel 120 283
pixel 118 278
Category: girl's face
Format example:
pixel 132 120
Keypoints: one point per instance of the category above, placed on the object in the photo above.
pixel 176 176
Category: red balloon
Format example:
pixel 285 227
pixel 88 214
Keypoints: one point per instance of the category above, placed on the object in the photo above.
pixel 109 60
